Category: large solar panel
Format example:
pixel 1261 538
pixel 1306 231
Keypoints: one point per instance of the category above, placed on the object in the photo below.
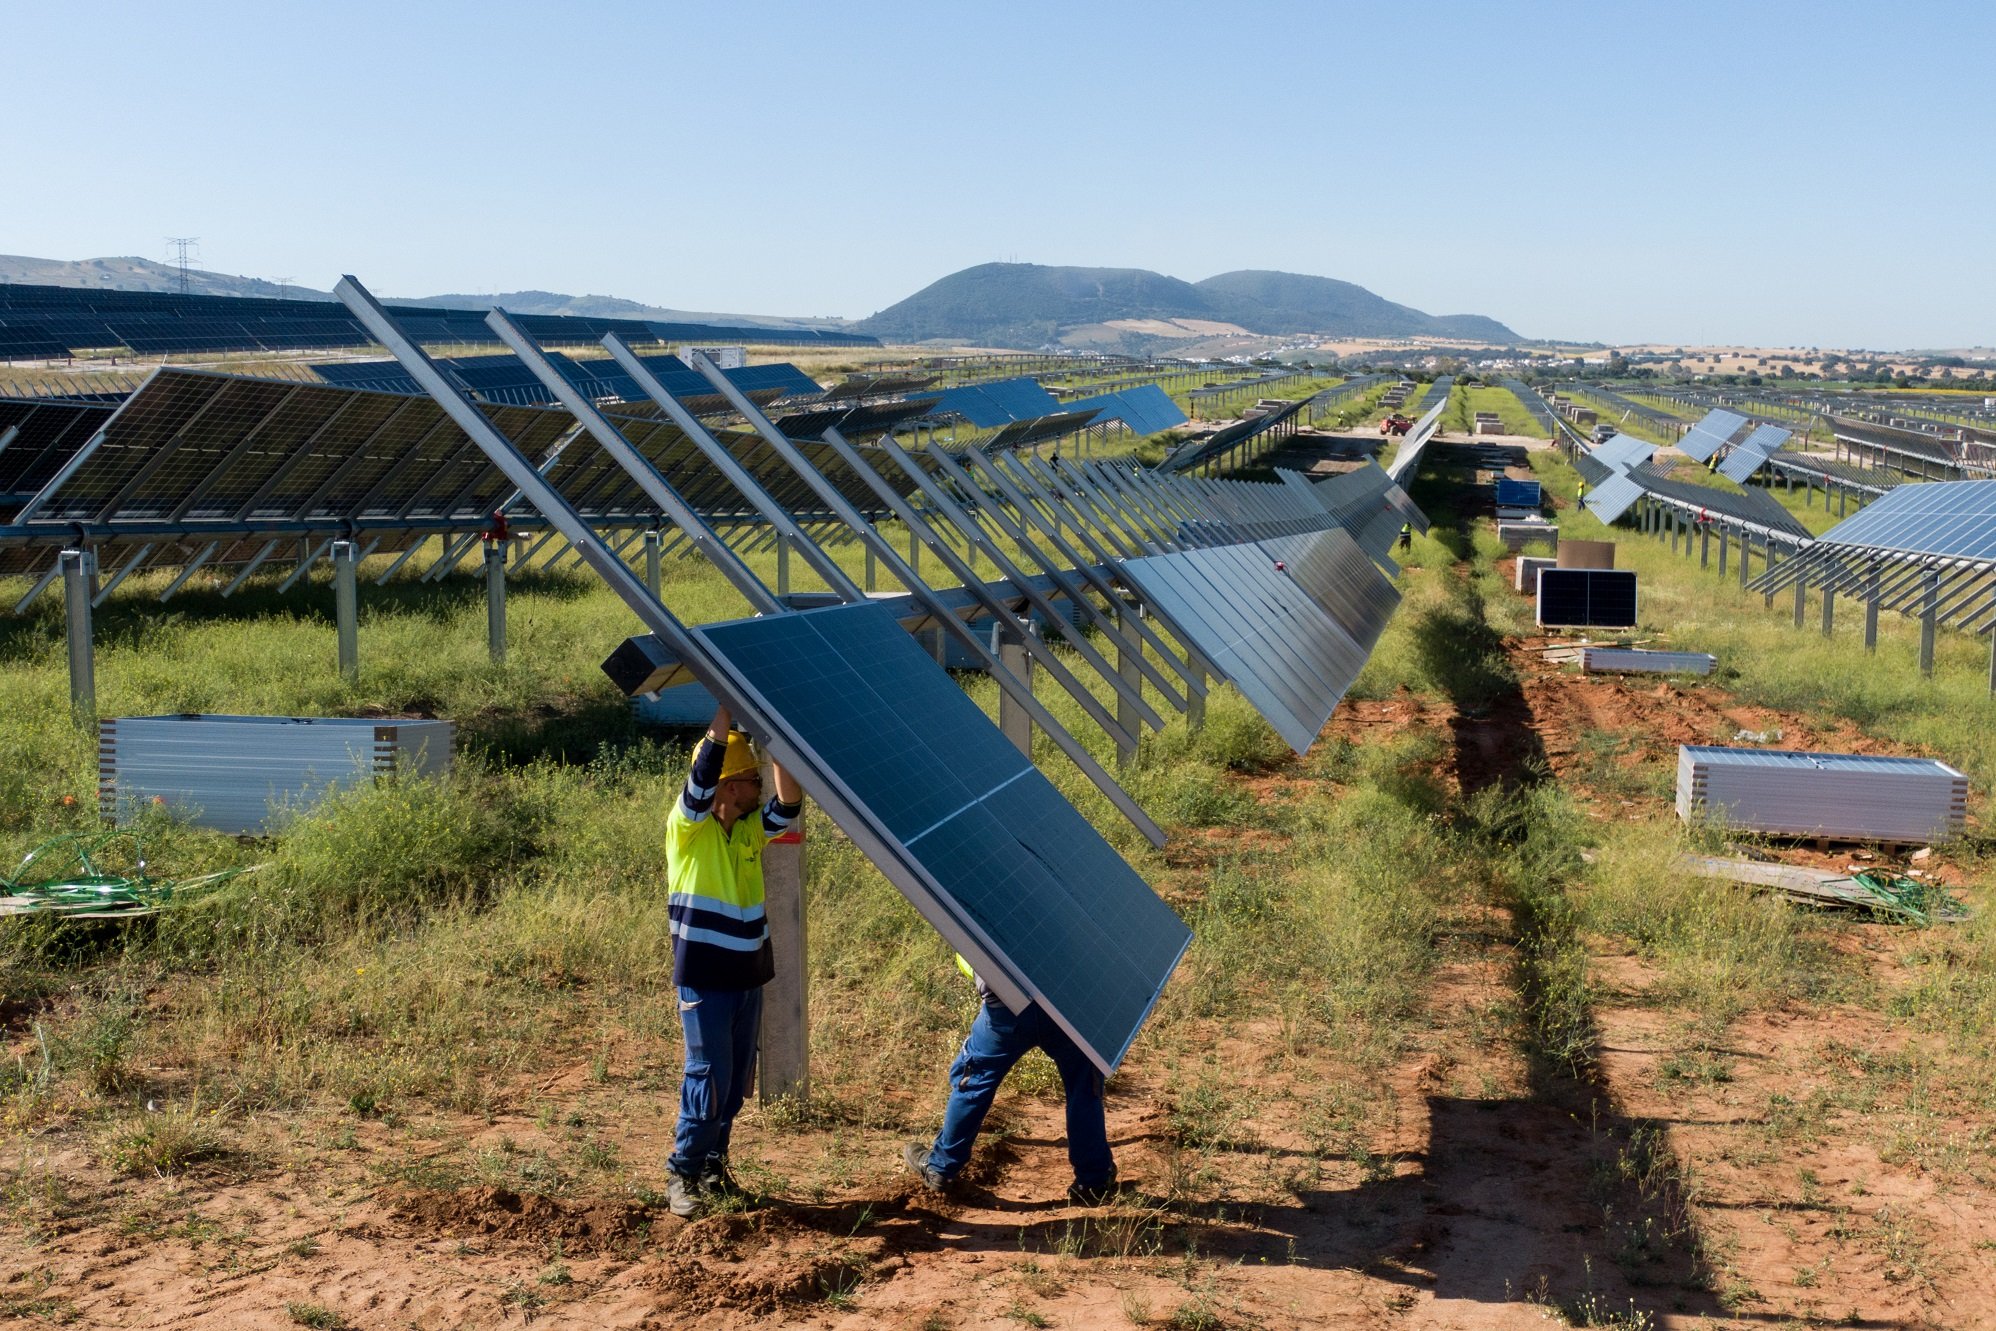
pixel 1000 402
pixel 1622 452
pixel 1260 628
pixel 1366 503
pixel 1587 597
pixel 503 378
pixel 1513 493
pixel 1752 453
pixel 1339 577
pixel 1612 497
pixel 1146 410
pixel 1956 519
pixel 1012 865
pixel 1710 434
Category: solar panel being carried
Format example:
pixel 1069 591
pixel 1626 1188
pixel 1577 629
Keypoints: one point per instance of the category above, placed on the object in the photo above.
pixel 1710 434
pixel 1010 862
pixel 1751 453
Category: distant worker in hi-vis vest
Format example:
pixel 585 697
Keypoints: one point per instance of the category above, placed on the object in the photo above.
pixel 714 840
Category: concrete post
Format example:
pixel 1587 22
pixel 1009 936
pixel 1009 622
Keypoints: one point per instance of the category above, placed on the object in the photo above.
pixel 495 601
pixel 346 605
pixel 76 578
pixel 1009 645
pixel 1929 609
pixel 653 550
pixel 784 1065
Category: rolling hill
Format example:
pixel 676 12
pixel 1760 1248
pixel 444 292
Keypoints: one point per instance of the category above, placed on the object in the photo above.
pixel 1028 305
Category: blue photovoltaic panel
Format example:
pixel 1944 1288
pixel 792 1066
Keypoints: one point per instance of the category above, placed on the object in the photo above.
pixel 1612 498
pixel 1000 403
pixel 1517 494
pixel 1339 576
pixel 1019 880
pixel 1951 518
pixel 1622 452
pixel 1752 453
pixel 1146 410
pixel 506 378
pixel 1709 435
pixel 1260 628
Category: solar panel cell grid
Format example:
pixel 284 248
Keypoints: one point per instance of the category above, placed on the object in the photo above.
pixel 1014 862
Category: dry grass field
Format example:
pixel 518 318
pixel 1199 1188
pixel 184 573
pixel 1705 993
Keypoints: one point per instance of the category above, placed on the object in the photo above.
pixel 1455 1046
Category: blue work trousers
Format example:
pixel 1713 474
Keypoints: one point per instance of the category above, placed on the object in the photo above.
pixel 722 1026
pixel 997 1040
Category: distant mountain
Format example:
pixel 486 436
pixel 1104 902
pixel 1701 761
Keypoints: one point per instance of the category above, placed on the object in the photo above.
pixel 1271 302
pixel 135 274
pixel 1028 305
pixel 130 273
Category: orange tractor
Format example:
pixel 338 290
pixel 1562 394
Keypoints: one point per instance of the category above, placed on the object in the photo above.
pixel 1396 424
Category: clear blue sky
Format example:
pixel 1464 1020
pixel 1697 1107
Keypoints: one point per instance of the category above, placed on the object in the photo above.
pixel 1807 173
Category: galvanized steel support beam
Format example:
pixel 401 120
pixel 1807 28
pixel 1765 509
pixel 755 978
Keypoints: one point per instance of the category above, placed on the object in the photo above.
pixel 1829 608
pixel 76 566
pixel 495 601
pixel 1927 618
pixel 652 553
pixel 1871 608
pixel 346 605
pixel 783 1069
pixel 1009 646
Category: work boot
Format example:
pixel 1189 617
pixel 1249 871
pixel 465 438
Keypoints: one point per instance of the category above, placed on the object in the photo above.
pixel 1098 1194
pixel 717 1181
pixel 916 1156
pixel 682 1195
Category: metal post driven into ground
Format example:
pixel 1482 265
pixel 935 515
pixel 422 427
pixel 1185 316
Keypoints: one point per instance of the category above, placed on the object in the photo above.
pixel 1829 607
pixel 1009 645
pixel 1928 606
pixel 1722 552
pixel 1871 607
pixel 652 553
pixel 346 605
pixel 1802 598
pixel 495 600
pixel 76 566
pixel 783 1067
pixel 1126 707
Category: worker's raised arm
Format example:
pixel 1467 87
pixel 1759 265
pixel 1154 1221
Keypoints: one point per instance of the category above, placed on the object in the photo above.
pixel 696 797
pixel 785 803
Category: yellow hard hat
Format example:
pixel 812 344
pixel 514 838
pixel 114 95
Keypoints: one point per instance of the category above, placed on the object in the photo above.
pixel 740 759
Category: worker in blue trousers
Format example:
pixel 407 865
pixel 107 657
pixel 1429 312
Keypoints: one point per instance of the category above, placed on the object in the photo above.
pixel 721 958
pixel 998 1039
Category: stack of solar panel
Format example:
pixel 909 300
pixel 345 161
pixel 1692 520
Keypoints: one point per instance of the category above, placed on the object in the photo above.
pixel 243 774
pixel 1849 796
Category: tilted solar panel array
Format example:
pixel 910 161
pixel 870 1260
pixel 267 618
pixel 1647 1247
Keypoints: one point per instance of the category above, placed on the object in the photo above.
pixel 40 320
pixel 40 436
pixel 1001 402
pixel 503 378
pixel 1146 410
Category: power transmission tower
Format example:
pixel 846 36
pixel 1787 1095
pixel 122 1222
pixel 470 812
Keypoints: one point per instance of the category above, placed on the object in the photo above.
pixel 283 286
pixel 182 244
